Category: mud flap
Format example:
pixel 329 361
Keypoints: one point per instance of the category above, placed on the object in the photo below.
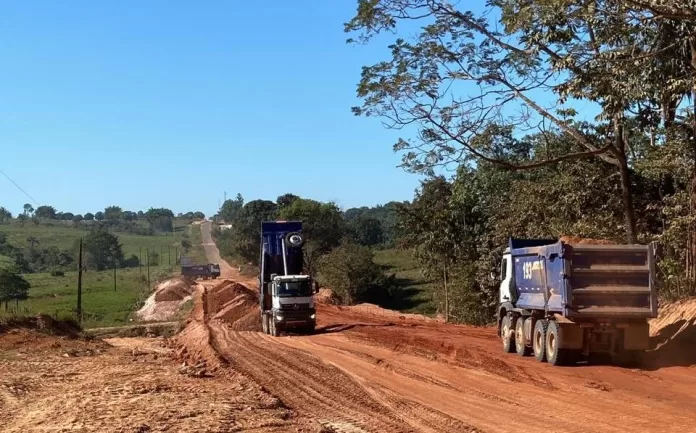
pixel 570 335
pixel 637 337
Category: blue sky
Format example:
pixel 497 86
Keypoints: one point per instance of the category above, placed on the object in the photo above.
pixel 170 103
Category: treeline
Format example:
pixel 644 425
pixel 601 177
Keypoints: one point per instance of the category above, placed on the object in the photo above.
pixel 337 250
pixel 494 96
pixel 112 217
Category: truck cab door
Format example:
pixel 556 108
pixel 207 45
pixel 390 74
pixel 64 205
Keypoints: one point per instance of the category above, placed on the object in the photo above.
pixel 507 290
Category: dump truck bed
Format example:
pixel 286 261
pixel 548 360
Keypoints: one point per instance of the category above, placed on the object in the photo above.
pixel 585 282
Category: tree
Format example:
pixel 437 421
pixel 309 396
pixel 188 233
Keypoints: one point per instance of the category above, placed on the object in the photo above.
pixel 113 213
pixel 243 239
pixel 48 212
pixel 12 286
pixel 5 215
pixel 160 219
pixel 351 273
pixel 22 219
pixel 102 250
pixel 99 216
pixel 66 216
pixel 129 216
pixel 322 225
pixel 230 209
pixel 89 216
pixel 602 55
pixel 286 200
pixel 77 218
pixel 28 209
pixel 367 231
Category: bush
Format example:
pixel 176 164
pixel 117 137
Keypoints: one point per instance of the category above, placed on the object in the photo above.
pixel 351 273
pixel 57 273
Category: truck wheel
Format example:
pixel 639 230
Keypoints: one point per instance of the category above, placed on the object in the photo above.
pixel 264 323
pixel 273 326
pixel 294 239
pixel 520 342
pixel 508 335
pixel 554 354
pixel 539 340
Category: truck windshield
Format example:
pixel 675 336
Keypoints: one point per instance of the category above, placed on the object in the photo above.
pixel 294 288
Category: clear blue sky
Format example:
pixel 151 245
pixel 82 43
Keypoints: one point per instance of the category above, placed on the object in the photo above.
pixel 170 103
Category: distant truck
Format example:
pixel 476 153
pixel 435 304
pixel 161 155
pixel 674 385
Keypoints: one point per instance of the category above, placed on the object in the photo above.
pixel 561 302
pixel 195 271
pixel 286 295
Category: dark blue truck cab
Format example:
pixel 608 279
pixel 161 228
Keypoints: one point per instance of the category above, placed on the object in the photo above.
pixel 561 302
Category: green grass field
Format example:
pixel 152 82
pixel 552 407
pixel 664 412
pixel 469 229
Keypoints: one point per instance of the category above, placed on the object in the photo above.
pixel 64 237
pixel 102 305
pixel 413 293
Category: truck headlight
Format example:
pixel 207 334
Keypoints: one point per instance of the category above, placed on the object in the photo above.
pixel 313 316
pixel 279 318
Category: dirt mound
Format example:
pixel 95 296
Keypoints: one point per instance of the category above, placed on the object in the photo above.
pixel 43 323
pixel 235 304
pixel 326 296
pixel 575 240
pixel 167 299
pixel 674 334
pixel 174 289
pixel 376 310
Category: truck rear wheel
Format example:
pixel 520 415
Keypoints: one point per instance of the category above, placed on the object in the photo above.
pixel 274 328
pixel 508 335
pixel 539 340
pixel 264 323
pixel 554 354
pixel 520 342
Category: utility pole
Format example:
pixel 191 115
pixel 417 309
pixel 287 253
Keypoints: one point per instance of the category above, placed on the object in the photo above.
pixel 114 278
pixel 169 253
pixel 141 261
pixel 176 255
pixel 148 269
pixel 79 285
pixel 225 197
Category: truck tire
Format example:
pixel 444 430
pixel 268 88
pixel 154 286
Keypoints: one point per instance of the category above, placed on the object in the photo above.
pixel 264 323
pixel 521 346
pixel 294 239
pixel 507 334
pixel 539 339
pixel 554 355
pixel 273 327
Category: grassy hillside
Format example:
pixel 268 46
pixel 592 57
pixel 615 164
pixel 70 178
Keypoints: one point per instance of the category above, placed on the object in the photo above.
pixel 64 237
pixel 102 305
pixel 413 293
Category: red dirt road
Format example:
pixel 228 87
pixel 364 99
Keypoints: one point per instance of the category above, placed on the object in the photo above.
pixel 363 372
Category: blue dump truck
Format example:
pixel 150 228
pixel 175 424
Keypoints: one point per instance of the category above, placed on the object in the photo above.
pixel 563 302
pixel 286 295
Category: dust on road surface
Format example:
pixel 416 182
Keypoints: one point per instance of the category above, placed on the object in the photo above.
pixel 367 372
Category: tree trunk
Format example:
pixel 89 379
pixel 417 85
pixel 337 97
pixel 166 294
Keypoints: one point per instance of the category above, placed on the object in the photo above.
pixel 447 309
pixel 627 200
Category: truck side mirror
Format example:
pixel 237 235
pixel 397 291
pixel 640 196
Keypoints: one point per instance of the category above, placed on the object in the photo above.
pixel 316 286
pixel 493 276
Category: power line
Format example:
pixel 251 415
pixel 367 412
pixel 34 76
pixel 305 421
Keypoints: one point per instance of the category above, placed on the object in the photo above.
pixel 19 188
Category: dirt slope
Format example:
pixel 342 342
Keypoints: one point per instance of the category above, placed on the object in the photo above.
pixel 366 370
